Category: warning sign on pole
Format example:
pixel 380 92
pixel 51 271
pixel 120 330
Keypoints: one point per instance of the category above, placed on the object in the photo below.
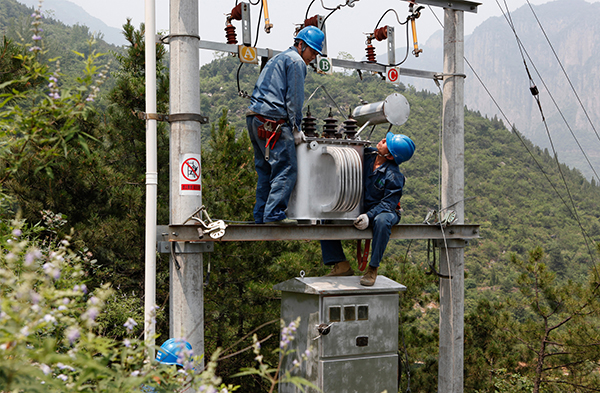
pixel 189 175
pixel 324 65
pixel 392 74
pixel 247 54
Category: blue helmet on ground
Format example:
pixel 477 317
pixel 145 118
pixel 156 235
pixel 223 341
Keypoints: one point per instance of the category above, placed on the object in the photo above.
pixel 313 38
pixel 168 353
pixel 400 146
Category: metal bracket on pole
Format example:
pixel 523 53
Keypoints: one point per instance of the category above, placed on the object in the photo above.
pixel 173 117
pixel 450 243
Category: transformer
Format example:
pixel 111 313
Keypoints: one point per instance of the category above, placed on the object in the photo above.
pixel 349 330
pixel 330 180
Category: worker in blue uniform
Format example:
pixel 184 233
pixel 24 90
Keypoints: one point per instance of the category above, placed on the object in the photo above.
pixel 383 184
pixel 274 118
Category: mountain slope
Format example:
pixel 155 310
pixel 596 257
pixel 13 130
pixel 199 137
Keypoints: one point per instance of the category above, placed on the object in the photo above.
pixel 492 51
pixel 71 14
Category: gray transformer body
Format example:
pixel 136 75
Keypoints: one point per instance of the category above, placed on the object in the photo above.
pixel 330 180
pixel 359 353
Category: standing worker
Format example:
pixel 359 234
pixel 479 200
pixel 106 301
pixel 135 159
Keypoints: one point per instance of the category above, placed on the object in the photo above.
pixel 383 183
pixel 274 119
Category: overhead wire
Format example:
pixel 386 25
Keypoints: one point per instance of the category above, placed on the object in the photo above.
pixel 572 88
pixel 536 96
pixel 242 93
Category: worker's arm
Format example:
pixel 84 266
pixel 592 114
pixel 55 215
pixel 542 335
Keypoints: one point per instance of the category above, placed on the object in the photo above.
pixel 390 194
pixel 296 73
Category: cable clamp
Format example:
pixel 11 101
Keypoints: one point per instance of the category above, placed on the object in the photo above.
pixel 442 75
pixel 165 39
pixel 216 229
pixel 174 117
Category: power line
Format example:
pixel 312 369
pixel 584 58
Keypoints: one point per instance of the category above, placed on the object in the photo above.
pixel 535 94
pixel 564 71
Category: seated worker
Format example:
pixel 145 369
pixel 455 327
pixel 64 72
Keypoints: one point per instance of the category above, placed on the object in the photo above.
pixel 383 185
pixel 274 118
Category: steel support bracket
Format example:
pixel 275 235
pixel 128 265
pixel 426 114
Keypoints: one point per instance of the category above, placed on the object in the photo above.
pixel 164 247
pixel 450 243
pixel 174 117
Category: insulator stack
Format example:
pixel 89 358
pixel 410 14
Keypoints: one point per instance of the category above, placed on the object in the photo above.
pixel 313 21
pixel 309 124
pixel 330 127
pixel 381 33
pixel 370 53
pixel 230 34
pixel 350 128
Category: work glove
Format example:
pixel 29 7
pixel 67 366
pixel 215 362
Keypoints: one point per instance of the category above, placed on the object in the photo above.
pixel 362 222
pixel 298 136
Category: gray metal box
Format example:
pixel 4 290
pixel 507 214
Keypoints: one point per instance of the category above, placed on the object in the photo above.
pixel 359 354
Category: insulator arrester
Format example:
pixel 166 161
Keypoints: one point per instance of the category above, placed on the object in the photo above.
pixel 330 126
pixel 371 56
pixel 309 124
pixel 230 34
pixel 312 21
pixel 236 12
pixel 381 33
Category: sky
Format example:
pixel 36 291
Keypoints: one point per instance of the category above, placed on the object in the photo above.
pixel 346 27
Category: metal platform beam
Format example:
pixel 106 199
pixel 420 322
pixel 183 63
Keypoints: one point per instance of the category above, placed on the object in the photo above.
pixel 266 232
pixel 456 5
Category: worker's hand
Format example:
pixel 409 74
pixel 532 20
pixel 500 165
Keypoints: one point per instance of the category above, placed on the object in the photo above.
pixel 298 136
pixel 362 222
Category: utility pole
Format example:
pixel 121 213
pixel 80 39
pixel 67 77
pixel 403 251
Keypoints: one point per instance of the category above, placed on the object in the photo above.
pixel 452 259
pixel 186 298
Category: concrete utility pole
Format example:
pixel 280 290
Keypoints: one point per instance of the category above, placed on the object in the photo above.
pixel 186 273
pixel 451 356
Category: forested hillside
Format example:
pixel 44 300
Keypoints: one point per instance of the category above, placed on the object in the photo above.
pixel 531 280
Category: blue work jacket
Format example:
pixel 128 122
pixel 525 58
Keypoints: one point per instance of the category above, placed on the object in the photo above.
pixel 279 91
pixel 383 186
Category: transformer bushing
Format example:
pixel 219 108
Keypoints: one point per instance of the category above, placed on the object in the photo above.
pixel 309 125
pixel 330 127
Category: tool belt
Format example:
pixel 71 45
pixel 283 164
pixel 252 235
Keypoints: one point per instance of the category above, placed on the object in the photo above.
pixel 270 130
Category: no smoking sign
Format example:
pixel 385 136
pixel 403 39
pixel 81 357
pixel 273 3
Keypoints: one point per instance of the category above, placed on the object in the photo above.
pixel 393 73
pixel 189 175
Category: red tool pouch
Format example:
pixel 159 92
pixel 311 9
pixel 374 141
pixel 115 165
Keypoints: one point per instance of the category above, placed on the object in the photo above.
pixel 270 130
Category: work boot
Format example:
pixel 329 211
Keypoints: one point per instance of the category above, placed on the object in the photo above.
pixel 341 269
pixel 370 276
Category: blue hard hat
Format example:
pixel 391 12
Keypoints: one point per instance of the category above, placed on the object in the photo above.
pixel 169 351
pixel 400 146
pixel 313 38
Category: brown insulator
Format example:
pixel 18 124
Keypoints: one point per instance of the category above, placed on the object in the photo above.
pixel 370 53
pixel 330 126
pixel 236 12
pixel 230 34
pixel 313 21
pixel 350 127
pixel 309 124
pixel 381 33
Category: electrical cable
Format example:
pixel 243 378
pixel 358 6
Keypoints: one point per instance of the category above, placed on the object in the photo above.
pixel 535 93
pixel 515 132
pixel 308 9
pixel 572 88
pixel 397 18
pixel 241 93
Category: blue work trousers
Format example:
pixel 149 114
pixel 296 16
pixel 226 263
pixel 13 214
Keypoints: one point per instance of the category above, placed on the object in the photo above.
pixel 276 176
pixel 333 252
